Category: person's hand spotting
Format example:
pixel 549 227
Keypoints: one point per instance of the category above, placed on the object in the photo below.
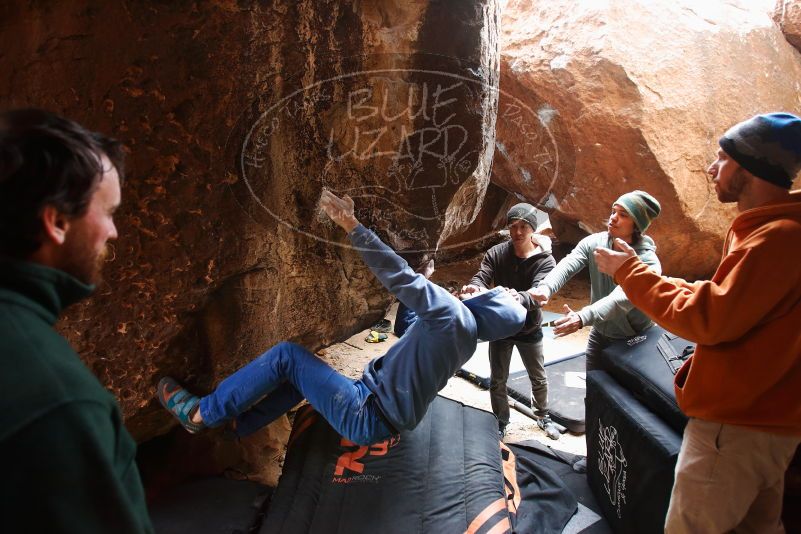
pixel 514 293
pixel 339 210
pixel 470 291
pixel 568 324
pixel 541 294
pixel 609 261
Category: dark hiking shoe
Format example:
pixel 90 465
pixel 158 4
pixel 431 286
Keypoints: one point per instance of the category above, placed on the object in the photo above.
pixel 549 427
pixel 383 326
pixel 180 403
pixel 561 428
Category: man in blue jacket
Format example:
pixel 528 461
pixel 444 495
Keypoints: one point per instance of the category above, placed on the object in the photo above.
pixel 395 390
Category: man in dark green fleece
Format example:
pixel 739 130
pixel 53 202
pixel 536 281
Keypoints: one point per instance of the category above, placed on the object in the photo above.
pixel 66 459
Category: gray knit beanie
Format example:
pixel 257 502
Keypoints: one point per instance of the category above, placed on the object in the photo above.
pixel 523 212
pixel 768 146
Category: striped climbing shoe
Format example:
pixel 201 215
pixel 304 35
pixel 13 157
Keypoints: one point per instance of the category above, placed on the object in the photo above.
pixel 180 403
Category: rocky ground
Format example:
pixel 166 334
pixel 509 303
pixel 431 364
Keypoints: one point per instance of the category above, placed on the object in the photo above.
pixel 350 357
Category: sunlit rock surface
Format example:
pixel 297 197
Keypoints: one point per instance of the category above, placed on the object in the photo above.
pixel 601 98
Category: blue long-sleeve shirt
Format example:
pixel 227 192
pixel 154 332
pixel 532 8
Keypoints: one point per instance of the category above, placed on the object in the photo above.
pixel 408 377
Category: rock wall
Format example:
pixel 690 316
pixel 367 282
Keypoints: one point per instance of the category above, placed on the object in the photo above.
pixel 600 98
pixel 787 14
pixel 483 232
pixel 236 115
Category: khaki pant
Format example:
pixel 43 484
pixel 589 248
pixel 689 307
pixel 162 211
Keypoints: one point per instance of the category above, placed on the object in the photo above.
pixel 729 478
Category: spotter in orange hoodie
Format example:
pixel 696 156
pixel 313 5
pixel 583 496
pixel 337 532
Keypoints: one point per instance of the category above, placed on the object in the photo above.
pixel 746 321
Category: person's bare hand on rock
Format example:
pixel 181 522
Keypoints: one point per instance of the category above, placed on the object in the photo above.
pixel 339 210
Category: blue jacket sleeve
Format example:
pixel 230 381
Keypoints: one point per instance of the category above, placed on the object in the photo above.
pixel 412 289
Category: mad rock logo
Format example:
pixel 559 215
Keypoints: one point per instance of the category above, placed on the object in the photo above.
pixel 612 465
pixel 350 467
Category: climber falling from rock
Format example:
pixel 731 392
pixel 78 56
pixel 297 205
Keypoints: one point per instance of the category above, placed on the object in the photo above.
pixel 395 390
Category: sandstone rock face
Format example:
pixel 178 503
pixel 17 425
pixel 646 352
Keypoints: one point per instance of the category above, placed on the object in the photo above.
pixel 483 232
pixel 236 115
pixel 787 15
pixel 600 98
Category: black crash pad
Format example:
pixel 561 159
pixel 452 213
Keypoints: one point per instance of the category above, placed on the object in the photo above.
pixel 631 457
pixel 645 365
pixel 446 475
pixel 210 506
pixel 561 464
pixel 566 390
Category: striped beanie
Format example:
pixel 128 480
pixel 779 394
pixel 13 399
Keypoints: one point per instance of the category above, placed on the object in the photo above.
pixel 767 146
pixel 642 207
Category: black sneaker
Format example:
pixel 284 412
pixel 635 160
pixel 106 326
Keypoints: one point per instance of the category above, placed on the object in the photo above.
pixel 501 431
pixel 549 427
pixel 562 429
pixel 383 326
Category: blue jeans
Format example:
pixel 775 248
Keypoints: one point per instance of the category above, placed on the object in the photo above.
pixel 273 383
pixel 404 318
